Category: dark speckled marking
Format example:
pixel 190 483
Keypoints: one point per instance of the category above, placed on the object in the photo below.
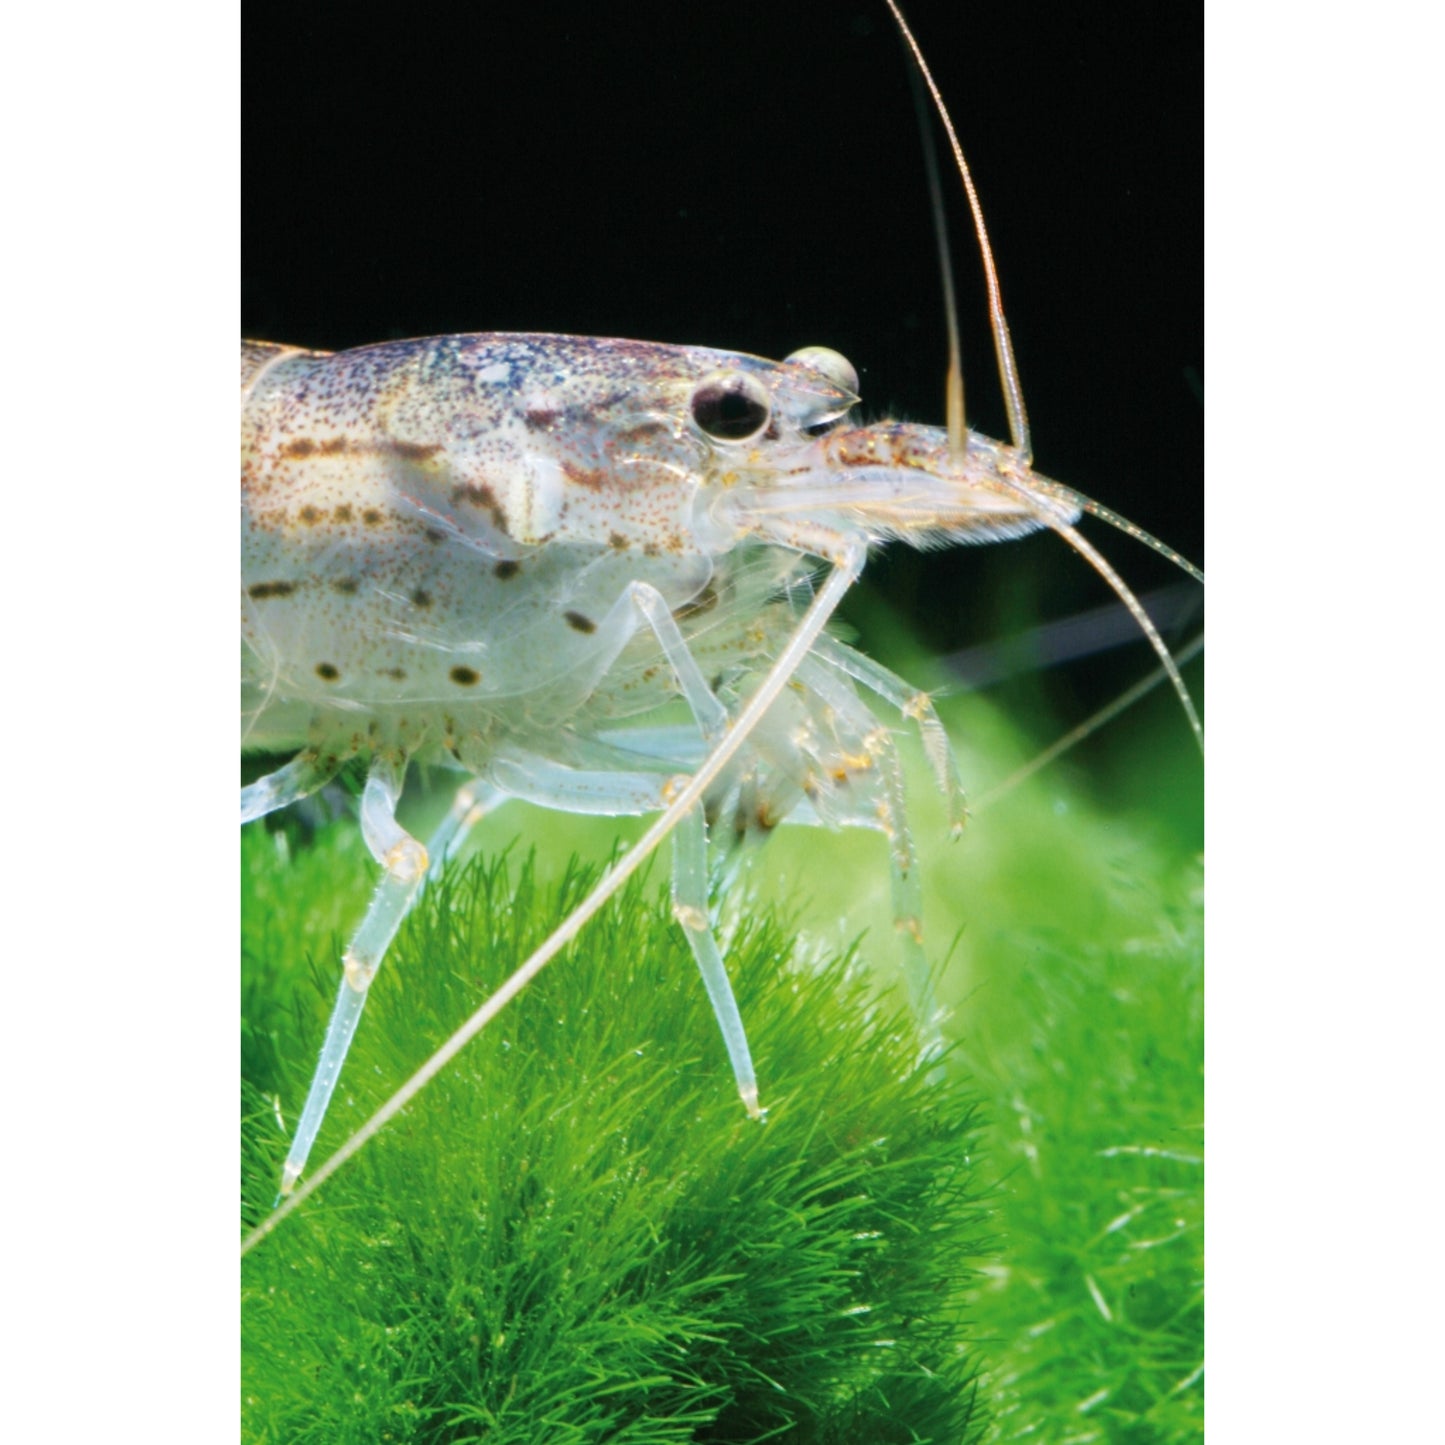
pixel 415 451
pixel 347 586
pixel 397 674
pixel 580 621
pixel 420 597
pixel 262 590
pixel 310 515
pixel 298 448
pixel 505 569
pixel 617 541
pixel 465 676
pixel 641 431
pixel 593 478
pixel 326 672
pixel 343 513
pixel 373 516
pixel 479 494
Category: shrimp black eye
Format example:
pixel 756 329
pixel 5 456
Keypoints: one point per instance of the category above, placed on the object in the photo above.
pixel 732 408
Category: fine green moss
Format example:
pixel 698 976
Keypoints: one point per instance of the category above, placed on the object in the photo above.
pixel 1092 1060
pixel 576 1234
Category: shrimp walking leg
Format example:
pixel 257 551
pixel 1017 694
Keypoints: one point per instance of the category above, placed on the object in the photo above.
pixel 474 800
pixel 408 864
pixel 298 779
pixel 690 874
pixel 405 863
pixel 914 705
pixel 710 714
pixel 861 758
pixel 601 792
pixel 615 794
pixel 690 908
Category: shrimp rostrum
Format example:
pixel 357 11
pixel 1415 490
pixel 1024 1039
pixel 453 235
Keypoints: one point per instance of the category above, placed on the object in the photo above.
pixel 503 553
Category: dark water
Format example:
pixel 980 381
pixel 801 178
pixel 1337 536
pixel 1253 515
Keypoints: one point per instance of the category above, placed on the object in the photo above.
pixel 753 180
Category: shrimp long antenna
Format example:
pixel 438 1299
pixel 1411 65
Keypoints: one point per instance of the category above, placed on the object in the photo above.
pixel 1106 514
pixel 1014 401
pixel 1046 487
pixel 1075 736
pixel 1013 396
pixel 1100 564
pixel 954 412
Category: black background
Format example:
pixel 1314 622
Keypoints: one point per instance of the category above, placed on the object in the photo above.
pixel 749 176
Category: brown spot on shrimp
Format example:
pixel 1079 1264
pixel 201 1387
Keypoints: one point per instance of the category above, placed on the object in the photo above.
pixel 347 586
pixel 593 478
pixel 413 451
pixel 327 672
pixel 260 591
pixel 640 431
pixel 580 622
pixel 465 676
pixel 299 448
pixel 420 597
pixel 506 569
pixel 373 516
pixel 479 494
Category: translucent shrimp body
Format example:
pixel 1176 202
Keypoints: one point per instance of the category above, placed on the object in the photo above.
pixel 502 552
pixel 439 535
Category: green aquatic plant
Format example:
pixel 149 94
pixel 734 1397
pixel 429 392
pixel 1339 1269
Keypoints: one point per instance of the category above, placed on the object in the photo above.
pixel 1092 1064
pixel 575 1233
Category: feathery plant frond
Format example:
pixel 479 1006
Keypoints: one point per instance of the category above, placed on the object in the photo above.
pixel 576 1233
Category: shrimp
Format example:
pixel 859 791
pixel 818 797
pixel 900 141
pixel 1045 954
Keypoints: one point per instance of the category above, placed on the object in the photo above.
pixel 499 550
